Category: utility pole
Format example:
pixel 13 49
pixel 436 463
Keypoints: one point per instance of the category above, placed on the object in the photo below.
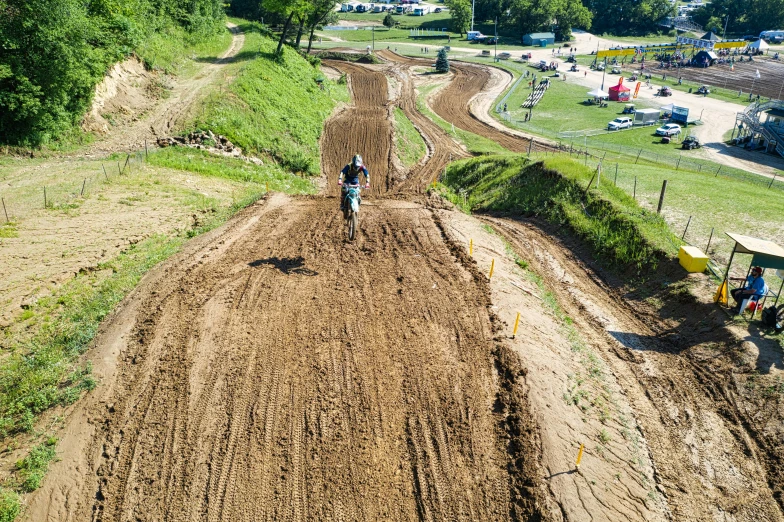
pixel 373 30
pixel 495 57
pixel 473 6
pixel 724 36
pixel 604 71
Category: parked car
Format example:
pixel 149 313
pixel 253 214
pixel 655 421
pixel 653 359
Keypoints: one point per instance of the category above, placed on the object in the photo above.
pixel 491 40
pixel 691 142
pixel 665 91
pixel 361 8
pixel 438 10
pixel 504 56
pixel 620 123
pixel 669 129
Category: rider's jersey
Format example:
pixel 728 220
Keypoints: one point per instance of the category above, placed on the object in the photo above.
pixel 351 176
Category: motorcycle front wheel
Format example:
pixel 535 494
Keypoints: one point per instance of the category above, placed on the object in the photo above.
pixel 353 218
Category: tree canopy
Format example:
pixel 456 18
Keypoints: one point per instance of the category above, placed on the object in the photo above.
pixel 54 52
pixel 744 17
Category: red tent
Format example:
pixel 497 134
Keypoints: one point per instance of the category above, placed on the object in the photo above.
pixel 619 93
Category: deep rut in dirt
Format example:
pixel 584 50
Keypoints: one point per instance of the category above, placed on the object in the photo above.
pixel 275 371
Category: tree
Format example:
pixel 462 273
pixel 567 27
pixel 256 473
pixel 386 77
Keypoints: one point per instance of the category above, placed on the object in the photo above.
pixel 389 21
pixel 569 14
pixel 442 62
pixel 460 13
pixel 322 10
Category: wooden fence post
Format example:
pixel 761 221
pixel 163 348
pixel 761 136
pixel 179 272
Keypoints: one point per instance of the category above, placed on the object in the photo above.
pixel 683 237
pixel 661 197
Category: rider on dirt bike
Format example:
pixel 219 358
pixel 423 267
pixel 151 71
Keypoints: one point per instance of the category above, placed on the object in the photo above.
pixel 351 172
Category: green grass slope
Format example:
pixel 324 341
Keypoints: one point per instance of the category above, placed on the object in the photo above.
pixel 619 232
pixel 275 107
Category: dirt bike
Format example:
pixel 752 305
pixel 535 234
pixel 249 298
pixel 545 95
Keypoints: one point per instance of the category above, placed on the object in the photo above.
pixel 351 210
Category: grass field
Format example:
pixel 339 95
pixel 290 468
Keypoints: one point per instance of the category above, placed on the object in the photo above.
pixel 264 100
pixel 409 145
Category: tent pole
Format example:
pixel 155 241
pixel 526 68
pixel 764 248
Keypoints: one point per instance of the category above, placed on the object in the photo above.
pixel 727 273
pixel 779 294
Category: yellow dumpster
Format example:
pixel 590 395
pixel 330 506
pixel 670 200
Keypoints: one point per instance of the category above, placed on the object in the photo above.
pixel 692 259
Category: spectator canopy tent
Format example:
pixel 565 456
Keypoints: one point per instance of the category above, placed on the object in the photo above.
pixel 765 254
pixel 619 93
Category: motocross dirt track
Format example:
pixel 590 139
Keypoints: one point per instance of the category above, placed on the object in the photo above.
pixel 453 102
pixel 275 371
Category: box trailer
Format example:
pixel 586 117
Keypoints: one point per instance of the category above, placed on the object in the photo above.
pixel 646 116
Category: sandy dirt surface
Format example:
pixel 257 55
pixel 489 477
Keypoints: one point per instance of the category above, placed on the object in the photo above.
pixel 171 112
pixel 707 464
pixel 278 372
pixel 275 371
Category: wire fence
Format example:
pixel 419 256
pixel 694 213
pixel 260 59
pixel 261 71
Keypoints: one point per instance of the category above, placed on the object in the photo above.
pixel 65 190
pixel 687 219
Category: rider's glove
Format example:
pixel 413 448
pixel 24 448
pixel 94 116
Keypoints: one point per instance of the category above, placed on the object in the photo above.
pixel 340 182
pixel 367 185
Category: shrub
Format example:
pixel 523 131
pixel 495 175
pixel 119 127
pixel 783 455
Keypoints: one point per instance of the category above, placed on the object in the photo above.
pixel 442 62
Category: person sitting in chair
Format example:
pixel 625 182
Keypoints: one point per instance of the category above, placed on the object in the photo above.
pixel 754 289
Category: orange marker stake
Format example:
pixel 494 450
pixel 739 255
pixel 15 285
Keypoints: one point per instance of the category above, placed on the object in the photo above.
pixel 517 323
pixel 492 265
pixel 579 456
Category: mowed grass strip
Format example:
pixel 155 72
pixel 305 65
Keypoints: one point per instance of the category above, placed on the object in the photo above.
pixel 409 145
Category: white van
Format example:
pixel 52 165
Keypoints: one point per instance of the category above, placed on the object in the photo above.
pixel 475 35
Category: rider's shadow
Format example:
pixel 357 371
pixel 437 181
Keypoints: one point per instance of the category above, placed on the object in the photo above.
pixel 287 265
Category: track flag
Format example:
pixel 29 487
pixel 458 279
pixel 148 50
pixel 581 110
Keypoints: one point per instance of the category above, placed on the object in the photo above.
pixel 637 89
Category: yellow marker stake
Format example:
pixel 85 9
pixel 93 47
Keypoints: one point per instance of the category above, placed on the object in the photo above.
pixel 579 456
pixel 471 247
pixel 492 265
pixel 517 323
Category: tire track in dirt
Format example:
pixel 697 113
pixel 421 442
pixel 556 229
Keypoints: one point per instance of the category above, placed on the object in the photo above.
pixel 453 102
pixel 706 463
pixel 365 128
pixel 441 148
pixel 331 358
pixel 288 374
